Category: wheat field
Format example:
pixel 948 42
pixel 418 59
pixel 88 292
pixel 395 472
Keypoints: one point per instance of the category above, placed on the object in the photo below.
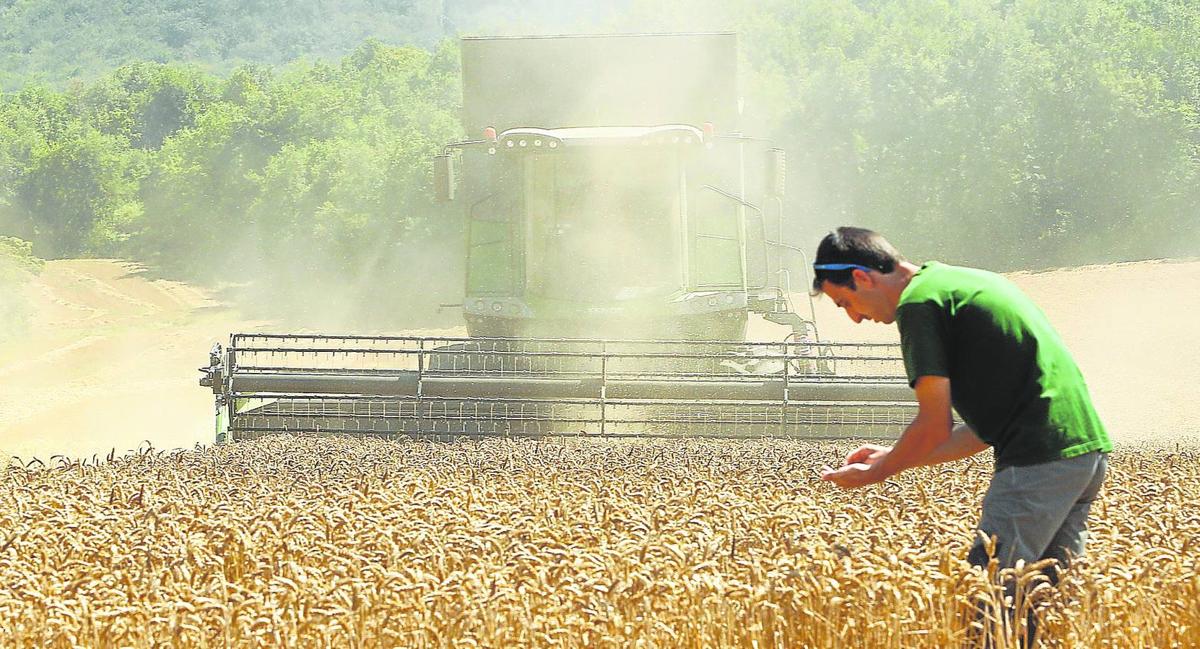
pixel 330 542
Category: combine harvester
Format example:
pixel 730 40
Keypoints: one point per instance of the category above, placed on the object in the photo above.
pixel 617 242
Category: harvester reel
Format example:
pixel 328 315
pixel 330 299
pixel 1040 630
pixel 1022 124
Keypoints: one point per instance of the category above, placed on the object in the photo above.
pixel 448 388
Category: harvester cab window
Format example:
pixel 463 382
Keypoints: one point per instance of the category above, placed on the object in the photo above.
pixel 602 224
pixel 716 253
pixel 493 222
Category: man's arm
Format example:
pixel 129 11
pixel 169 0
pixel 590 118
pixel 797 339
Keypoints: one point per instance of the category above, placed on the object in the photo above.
pixel 962 443
pixel 920 443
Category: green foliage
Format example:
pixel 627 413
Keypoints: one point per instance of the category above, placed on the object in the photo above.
pixel 73 197
pixel 199 187
pixel 83 39
pixel 18 254
pixel 145 103
pixel 320 163
pixel 311 173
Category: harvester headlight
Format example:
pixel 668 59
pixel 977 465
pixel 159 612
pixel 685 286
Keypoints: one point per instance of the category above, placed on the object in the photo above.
pixel 523 142
pixel 497 307
pixel 491 150
pixel 537 143
pixel 687 140
pixel 553 144
pixel 728 299
pixel 712 301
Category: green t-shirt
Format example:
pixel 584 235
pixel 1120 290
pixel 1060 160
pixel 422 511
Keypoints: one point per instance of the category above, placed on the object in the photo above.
pixel 1012 379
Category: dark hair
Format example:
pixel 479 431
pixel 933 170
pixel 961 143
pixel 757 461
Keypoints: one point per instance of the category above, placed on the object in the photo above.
pixel 849 245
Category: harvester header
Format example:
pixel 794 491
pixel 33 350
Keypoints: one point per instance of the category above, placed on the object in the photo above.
pixel 422 387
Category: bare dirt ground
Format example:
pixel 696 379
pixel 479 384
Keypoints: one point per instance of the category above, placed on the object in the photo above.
pixel 110 361
pixel 112 357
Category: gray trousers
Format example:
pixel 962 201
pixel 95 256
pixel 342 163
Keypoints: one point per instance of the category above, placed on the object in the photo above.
pixel 1040 511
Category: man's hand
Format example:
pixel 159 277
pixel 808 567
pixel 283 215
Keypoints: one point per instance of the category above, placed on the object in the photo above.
pixel 856 474
pixel 857 470
pixel 868 454
pixel 918 444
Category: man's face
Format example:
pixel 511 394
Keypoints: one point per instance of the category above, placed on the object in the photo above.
pixel 867 301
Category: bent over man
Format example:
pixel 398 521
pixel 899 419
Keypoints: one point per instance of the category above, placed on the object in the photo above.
pixel 972 340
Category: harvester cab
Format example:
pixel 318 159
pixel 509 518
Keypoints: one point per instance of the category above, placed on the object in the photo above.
pixel 620 231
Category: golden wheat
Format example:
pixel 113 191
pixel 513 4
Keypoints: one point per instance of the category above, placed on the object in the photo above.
pixel 330 542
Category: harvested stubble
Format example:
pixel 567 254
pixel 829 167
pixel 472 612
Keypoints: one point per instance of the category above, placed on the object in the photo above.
pixel 366 543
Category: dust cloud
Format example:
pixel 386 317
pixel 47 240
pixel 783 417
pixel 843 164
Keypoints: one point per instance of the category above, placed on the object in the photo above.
pixel 391 285
pixel 111 359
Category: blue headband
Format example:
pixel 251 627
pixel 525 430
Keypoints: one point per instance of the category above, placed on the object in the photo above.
pixel 843 267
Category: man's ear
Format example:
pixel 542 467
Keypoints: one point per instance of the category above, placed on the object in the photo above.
pixel 862 278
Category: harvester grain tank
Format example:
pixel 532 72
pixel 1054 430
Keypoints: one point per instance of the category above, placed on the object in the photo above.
pixel 620 231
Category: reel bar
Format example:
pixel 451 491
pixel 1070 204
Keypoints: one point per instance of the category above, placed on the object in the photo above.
pixel 483 387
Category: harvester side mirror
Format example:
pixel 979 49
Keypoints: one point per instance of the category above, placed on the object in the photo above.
pixel 776 172
pixel 443 177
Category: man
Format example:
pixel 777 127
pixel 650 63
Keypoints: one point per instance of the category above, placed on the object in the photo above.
pixel 971 339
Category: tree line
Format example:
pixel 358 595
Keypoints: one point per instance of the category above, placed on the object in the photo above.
pixel 316 172
pixel 79 41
